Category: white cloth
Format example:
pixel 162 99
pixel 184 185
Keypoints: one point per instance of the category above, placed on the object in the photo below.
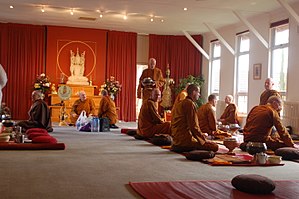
pixel 3 81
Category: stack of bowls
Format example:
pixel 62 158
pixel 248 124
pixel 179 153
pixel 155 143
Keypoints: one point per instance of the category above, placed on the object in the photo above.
pixel 4 137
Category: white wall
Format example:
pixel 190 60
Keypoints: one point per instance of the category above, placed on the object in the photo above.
pixel 258 54
pixel 142 49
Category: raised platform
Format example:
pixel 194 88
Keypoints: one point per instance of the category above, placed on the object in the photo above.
pixel 31 146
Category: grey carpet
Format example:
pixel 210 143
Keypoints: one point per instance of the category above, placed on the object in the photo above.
pixel 100 165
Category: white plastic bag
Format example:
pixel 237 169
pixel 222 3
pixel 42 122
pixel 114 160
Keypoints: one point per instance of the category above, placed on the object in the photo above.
pixel 82 120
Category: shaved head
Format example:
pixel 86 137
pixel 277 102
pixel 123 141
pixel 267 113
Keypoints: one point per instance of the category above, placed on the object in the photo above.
pixel 104 92
pixel 193 92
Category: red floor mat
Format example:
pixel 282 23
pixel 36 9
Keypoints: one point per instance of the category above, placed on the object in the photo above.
pixel 209 189
pixel 31 146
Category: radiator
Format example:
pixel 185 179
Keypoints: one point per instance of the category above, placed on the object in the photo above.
pixel 290 116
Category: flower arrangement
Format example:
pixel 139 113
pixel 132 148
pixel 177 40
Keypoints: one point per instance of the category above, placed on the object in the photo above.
pixel 112 86
pixel 42 83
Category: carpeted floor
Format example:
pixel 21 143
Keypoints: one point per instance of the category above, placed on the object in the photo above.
pixel 100 165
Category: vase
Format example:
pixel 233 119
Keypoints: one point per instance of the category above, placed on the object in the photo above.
pixel 112 96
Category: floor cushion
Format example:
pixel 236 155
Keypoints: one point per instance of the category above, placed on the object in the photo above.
pixel 44 139
pixel 161 140
pixel 131 132
pixel 139 137
pixel 288 153
pixel 254 184
pixel 36 130
pixel 198 155
pixel 36 134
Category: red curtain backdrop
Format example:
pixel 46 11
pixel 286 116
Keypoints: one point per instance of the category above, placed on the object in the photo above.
pixel 177 51
pixel 22 57
pixel 122 64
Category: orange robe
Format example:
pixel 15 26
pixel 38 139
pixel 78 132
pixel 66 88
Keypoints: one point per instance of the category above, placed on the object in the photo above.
pixel 185 128
pixel 155 74
pixel 180 97
pixel 107 109
pixel 150 122
pixel 146 94
pixel 230 114
pixel 267 94
pixel 206 118
pixel 78 106
pixel 259 123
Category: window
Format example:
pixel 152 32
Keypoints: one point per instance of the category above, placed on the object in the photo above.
pixel 140 69
pixel 279 57
pixel 242 71
pixel 215 67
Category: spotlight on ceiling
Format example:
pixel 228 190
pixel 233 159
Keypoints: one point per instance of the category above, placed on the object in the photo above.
pixel 11 7
pixel 125 17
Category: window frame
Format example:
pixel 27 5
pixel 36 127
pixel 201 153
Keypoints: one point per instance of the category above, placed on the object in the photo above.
pixel 238 54
pixel 212 60
pixel 273 47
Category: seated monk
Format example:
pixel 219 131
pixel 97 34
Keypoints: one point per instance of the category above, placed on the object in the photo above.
pixel 83 103
pixel 39 114
pixel 260 121
pixel 107 109
pixel 207 119
pixel 181 96
pixel 150 122
pixel 230 113
pixel 185 129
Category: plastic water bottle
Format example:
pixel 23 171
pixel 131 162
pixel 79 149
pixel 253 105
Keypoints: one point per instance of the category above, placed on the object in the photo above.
pixel 95 124
pixel 78 126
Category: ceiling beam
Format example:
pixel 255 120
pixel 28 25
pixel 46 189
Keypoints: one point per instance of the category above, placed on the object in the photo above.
pixel 252 29
pixel 221 39
pixel 289 9
pixel 196 44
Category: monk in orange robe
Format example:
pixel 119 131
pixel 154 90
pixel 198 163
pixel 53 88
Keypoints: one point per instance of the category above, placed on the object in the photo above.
pixel 260 121
pixel 269 83
pixel 83 103
pixel 150 122
pixel 230 114
pixel 107 109
pixel 207 119
pixel 181 96
pixel 206 115
pixel 186 133
pixel 154 73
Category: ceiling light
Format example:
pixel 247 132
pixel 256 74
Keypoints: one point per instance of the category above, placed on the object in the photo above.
pixel 72 12
pixel 152 19
pixel 162 20
pixel 101 16
pixel 43 9
pixel 125 17
pixel 11 7
pixel 185 9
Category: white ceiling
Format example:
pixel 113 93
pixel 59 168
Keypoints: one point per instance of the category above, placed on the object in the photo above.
pixel 217 13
